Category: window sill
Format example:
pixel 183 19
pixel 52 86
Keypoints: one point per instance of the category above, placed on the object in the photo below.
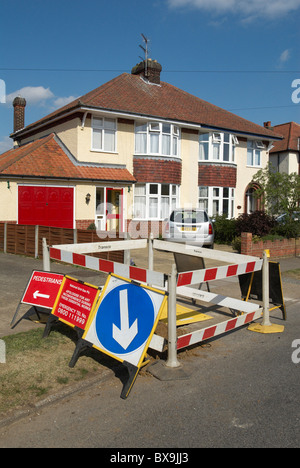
pixel 156 156
pixel 217 161
pixel 103 151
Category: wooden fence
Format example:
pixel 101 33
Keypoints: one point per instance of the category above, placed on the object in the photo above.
pixel 27 240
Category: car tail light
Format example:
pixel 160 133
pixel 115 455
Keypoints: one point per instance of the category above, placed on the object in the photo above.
pixel 167 227
pixel 210 229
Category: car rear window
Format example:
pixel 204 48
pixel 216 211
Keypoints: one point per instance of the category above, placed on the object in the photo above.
pixel 189 217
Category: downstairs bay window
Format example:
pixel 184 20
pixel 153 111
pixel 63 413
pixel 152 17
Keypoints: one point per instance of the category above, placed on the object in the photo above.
pixel 155 201
pixel 217 201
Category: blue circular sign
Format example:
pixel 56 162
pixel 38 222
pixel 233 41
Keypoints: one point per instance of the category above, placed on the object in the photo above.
pixel 125 319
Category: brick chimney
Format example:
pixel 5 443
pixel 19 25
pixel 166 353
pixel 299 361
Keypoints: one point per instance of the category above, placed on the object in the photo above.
pixel 149 69
pixel 267 124
pixel 19 104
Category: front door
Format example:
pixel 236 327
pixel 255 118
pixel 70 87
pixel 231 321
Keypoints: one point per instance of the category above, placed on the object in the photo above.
pixel 114 209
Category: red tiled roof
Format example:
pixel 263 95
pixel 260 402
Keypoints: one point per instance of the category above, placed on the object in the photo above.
pixel 291 133
pixel 46 158
pixel 129 93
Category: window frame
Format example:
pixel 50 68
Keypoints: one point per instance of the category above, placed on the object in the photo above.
pixel 103 128
pixel 156 129
pixel 212 148
pixel 215 197
pixel 254 153
pixel 153 194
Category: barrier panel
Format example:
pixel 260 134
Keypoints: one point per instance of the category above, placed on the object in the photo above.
pixel 243 265
pixel 107 266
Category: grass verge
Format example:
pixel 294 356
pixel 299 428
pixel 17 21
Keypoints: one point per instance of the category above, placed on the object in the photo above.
pixel 37 367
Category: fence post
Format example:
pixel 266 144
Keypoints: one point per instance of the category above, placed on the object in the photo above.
pixel 266 326
pixel 36 241
pixel 46 256
pixel 172 360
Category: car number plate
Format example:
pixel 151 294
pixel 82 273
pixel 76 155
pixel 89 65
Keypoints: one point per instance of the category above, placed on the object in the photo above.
pixel 189 229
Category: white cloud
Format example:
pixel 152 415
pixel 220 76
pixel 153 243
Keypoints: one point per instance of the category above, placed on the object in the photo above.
pixel 34 95
pixel 284 56
pixel 247 9
pixel 40 96
pixel 62 101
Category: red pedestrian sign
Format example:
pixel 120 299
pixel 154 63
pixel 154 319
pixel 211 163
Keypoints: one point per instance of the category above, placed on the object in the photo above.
pixel 42 289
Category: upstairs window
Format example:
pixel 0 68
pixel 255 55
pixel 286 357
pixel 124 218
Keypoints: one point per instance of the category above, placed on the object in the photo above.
pixel 157 138
pixel 104 134
pixel 216 146
pixel 254 149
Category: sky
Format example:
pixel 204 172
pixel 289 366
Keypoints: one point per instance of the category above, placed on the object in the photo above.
pixel 241 55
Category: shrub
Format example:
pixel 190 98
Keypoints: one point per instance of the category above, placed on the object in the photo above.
pixel 225 229
pixel 258 223
pixel 289 230
pixel 237 244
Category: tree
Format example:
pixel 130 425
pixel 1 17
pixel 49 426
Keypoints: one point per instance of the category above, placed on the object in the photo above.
pixel 280 192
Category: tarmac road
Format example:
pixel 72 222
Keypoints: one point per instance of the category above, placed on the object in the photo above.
pixel 241 390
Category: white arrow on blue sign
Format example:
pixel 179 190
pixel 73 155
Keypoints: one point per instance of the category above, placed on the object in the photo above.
pixel 124 319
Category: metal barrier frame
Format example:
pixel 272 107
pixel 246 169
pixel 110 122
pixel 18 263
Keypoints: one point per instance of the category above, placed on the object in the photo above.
pixel 176 283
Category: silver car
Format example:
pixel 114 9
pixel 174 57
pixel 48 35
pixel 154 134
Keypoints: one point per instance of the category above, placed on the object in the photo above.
pixel 189 226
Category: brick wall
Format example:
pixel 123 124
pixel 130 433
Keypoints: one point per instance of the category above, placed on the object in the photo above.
pixel 157 170
pixel 84 223
pixel 216 175
pixel 278 248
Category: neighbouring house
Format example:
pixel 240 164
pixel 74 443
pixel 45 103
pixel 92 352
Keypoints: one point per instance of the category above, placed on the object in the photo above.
pixel 285 154
pixel 125 154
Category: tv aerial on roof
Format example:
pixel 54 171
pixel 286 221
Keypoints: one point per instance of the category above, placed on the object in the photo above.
pixel 146 50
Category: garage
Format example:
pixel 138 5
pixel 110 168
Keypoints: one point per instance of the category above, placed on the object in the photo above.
pixel 46 206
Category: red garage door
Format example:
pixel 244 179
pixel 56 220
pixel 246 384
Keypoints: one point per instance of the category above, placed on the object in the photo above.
pixel 46 206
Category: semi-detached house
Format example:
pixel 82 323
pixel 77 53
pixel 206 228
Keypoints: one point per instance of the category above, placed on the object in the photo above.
pixel 125 154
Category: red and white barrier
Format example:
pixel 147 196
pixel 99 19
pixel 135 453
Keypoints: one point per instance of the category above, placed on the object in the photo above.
pixel 177 284
pixel 223 272
pixel 215 330
pixel 107 266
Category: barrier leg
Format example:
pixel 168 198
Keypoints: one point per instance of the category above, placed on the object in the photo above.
pixel 171 369
pixel 172 330
pixel 266 326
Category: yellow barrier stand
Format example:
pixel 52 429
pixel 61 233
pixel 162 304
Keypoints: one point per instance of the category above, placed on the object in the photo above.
pixel 266 326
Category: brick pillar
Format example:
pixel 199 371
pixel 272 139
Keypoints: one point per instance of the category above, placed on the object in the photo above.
pixel 246 243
